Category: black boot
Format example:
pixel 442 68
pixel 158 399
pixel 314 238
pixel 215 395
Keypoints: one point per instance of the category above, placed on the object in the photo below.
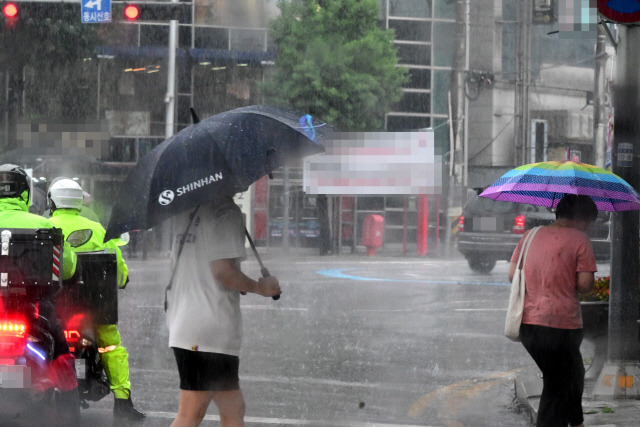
pixel 123 408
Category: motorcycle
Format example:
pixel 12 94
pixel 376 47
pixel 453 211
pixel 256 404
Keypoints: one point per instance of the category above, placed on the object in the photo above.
pixel 49 359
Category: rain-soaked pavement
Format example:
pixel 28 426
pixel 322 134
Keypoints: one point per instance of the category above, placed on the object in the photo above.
pixel 354 341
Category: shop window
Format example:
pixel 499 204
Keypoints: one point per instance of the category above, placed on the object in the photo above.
pixel 413 102
pixel 121 150
pixel 396 235
pixel 403 123
pixel 211 38
pixel 411 30
pixel 397 218
pixel 417 54
pixel 370 203
pixel 410 8
pixel 419 78
pixel 394 202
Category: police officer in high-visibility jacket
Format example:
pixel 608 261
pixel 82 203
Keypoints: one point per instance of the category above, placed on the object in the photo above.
pixel 15 198
pixel 65 198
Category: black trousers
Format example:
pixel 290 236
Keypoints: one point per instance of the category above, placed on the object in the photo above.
pixel 557 354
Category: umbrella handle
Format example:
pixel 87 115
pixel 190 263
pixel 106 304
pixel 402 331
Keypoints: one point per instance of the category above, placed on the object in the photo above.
pixel 263 269
pixel 265 273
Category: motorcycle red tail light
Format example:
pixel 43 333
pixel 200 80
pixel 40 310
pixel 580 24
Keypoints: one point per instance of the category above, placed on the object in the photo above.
pixel 13 332
pixel 13 327
pixel 518 225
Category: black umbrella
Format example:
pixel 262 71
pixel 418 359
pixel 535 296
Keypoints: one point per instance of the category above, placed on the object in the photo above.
pixel 219 156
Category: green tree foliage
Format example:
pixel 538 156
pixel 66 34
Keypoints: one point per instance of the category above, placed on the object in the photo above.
pixel 47 33
pixel 43 55
pixel 334 62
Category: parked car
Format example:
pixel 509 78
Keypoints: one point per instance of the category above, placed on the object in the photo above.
pixel 490 230
pixel 306 230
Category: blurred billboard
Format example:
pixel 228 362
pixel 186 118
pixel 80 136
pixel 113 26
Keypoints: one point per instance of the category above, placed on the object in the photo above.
pixel 40 138
pixel 375 163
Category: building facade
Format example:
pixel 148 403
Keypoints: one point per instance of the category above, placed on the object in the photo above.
pixel 540 103
pixel 527 91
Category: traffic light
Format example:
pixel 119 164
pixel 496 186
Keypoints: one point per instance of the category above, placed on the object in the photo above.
pixel 10 13
pixel 157 11
pixel 131 12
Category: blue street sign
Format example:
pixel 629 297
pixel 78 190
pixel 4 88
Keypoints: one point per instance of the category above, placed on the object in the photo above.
pixel 622 11
pixel 625 155
pixel 95 11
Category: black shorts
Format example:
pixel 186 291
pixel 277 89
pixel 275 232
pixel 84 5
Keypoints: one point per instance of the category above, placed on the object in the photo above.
pixel 203 371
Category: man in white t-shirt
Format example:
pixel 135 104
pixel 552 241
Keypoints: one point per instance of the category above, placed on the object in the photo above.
pixel 203 312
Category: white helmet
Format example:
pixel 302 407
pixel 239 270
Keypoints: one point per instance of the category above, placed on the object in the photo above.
pixel 64 193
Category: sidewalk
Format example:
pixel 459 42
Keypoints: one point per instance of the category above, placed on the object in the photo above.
pixel 622 413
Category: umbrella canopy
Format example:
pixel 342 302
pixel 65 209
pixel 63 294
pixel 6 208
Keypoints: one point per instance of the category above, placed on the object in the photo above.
pixel 219 156
pixel 545 183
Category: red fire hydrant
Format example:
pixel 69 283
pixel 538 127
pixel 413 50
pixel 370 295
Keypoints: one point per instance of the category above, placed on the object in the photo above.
pixel 372 233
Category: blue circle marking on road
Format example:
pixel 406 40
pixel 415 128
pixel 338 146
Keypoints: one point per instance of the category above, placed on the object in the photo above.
pixel 339 273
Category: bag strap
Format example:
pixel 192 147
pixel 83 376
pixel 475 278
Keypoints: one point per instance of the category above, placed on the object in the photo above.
pixel 175 267
pixel 525 247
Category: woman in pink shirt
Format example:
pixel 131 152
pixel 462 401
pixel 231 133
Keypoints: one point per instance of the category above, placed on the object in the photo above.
pixel 559 265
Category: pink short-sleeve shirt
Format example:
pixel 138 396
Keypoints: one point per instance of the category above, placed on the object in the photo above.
pixel 554 258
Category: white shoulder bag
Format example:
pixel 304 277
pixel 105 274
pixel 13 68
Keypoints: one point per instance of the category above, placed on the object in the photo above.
pixel 516 300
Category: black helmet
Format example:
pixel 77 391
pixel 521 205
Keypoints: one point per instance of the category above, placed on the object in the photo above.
pixel 14 181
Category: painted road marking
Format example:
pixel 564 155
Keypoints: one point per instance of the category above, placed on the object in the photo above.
pixel 449 398
pixel 290 380
pixel 340 273
pixel 272 307
pixel 249 307
pixel 265 420
pixel 476 301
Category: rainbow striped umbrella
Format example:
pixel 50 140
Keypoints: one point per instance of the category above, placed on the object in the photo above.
pixel 544 184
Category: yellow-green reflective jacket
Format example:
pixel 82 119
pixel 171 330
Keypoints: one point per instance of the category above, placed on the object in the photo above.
pixel 14 214
pixel 70 220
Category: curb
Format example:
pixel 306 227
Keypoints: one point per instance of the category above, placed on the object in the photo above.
pixel 600 413
pixel 528 388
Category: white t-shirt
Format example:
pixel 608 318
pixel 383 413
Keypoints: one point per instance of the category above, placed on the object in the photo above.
pixel 203 314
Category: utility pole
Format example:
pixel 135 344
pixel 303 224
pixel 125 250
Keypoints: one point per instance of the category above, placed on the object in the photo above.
pixel 167 230
pixel 170 97
pixel 459 70
pixel 523 73
pixel 465 110
pixel 457 103
pixel 617 378
pixel 623 298
pixel 286 200
pixel 599 97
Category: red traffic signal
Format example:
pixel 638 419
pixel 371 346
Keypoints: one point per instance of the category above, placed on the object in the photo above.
pixel 131 12
pixel 10 13
pixel 10 10
pixel 136 10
